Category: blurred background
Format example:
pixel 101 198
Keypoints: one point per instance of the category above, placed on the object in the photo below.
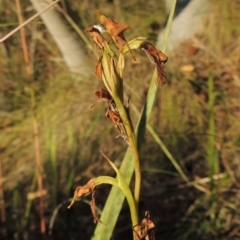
pixel 47 87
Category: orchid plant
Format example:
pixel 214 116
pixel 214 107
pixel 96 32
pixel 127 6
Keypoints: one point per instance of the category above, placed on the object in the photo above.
pixel 111 47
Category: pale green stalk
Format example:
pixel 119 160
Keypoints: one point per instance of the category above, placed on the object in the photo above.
pixel 29 202
pixel 114 84
pixel 16 206
pixel 121 183
pixel 134 150
pixel 53 162
pixel 70 164
pixel 211 152
pixel 211 147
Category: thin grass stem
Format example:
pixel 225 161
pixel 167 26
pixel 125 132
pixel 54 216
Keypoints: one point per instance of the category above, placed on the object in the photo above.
pixel 38 163
pixel 28 21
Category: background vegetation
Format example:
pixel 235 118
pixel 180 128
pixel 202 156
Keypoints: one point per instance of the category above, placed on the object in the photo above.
pixel 196 115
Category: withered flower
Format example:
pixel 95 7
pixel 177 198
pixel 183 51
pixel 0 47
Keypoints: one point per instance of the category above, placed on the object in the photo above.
pixel 94 209
pixel 98 69
pixel 145 231
pixel 98 40
pixel 157 58
pixel 103 94
pixel 112 112
pixel 83 191
pixel 114 28
pixel 115 118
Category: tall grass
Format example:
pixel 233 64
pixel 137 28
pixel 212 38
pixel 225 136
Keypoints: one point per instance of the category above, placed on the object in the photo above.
pixel 211 153
pixel 70 160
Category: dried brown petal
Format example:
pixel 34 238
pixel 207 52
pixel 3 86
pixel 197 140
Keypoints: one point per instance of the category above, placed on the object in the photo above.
pixel 112 27
pixel 115 118
pixel 115 29
pixel 97 37
pixel 103 93
pixel 145 231
pixel 112 112
pixel 157 58
pixel 82 191
pixel 156 54
pixel 98 69
pixel 93 209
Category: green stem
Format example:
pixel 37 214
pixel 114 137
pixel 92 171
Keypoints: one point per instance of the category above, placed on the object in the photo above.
pixel 114 84
pixel 106 180
pixel 133 147
pixel 122 184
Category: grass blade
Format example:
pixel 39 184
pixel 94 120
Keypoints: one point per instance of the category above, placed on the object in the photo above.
pixel 168 154
pixel 211 146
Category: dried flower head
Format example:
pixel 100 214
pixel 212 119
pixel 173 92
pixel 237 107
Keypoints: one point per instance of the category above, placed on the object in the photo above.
pixel 83 191
pixel 145 231
pixel 157 58
pixel 98 40
pixel 112 112
pixel 114 28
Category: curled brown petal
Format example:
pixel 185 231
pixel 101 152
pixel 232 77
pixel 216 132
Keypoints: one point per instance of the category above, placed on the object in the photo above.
pixel 103 93
pixel 115 29
pixel 98 69
pixel 96 36
pixel 94 209
pixel 112 27
pixel 145 231
pixel 157 58
pixel 82 191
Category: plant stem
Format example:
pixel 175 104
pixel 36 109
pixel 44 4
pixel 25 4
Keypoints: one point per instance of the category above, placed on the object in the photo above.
pixel 133 147
pixel 122 184
pixel 39 164
pixel 114 84
pixel 114 202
